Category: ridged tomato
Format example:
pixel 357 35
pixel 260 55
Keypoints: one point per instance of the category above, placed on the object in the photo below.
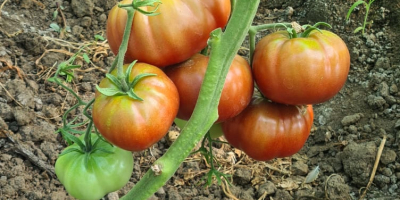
pixel 180 30
pixel 135 125
pixel 267 130
pixel 303 70
pixel 236 94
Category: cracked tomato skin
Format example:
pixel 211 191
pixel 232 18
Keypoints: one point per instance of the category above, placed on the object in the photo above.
pixel 301 71
pixel 105 172
pixel 267 130
pixel 236 93
pixel 136 125
pixel 180 30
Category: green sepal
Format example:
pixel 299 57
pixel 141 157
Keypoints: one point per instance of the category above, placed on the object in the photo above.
pixel 137 4
pixel 66 151
pixel 134 96
pixel 73 138
pixel 128 72
pixel 138 78
pixel 103 150
pixel 146 3
pixel 109 91
pixel 114 80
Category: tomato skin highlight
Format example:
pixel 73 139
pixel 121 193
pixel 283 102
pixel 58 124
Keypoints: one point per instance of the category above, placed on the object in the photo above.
pixel 136 125
pixel 106 172
pixel 180 30
pixel 236 94
pixel 267 130
pixel 301 71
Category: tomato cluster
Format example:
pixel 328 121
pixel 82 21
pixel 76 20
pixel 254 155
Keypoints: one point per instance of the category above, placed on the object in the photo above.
pixel 135 104
pixel 290 73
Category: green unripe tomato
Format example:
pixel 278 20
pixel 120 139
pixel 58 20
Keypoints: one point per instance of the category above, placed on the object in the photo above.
pixel 104 173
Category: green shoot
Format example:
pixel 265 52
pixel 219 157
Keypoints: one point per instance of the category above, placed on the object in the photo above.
pixel 367 7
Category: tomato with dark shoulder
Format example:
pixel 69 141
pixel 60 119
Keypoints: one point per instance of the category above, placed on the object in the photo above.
pixel 93 175
pixel 236 94
pixel 267 130
pixel 300 71
pixel 136 125
pixel 180 30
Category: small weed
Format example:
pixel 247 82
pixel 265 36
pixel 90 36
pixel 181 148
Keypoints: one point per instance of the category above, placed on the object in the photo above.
pixel 64 28
pixel 367 7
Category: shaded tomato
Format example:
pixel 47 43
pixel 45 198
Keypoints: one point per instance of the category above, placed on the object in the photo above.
pixel 301 71
pixel 101 173
pixel 236 94
pixel 135 125
pixel 180 30
pixel 267 130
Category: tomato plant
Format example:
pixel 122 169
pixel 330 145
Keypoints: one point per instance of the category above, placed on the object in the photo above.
pixel 308 69
pixel 93 174
pixel 136 124
pixel 267 130
pixel 180 30
pixel 236 94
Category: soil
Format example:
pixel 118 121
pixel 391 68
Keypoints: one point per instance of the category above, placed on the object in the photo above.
pixel 344 141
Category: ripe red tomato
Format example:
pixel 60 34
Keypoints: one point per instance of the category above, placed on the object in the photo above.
pixel 267 130
pixel 301 71
pixel 135 125
pixel 180 30
pixel 236 94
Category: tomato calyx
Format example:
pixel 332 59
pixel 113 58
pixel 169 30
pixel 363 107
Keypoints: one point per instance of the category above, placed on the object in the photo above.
pixel 123 85
pixel 298 31
pixel 136 4
pixel 86 147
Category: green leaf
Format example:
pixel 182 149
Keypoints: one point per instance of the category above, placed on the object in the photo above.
pixel 358 29
pixel 109 91
pixel 99 37
pixel 53 79
pixel 354 6
pixel 86 58
pixel 62 65
pixel 55 14
pixel 69 67
pixel 55 27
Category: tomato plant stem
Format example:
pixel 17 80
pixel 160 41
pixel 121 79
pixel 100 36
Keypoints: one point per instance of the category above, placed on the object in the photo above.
pixel 223 50
pixel 124 47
